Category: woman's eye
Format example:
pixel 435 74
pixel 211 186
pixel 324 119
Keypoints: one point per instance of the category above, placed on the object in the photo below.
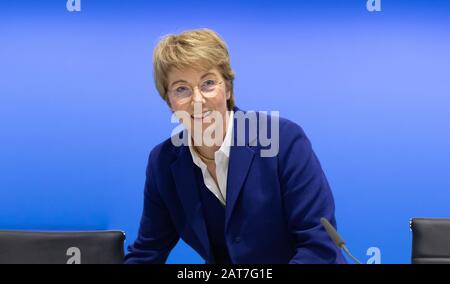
pixel 181 89
pixel 209 83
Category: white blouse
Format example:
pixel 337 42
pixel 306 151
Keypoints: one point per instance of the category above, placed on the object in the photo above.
pixel 221 158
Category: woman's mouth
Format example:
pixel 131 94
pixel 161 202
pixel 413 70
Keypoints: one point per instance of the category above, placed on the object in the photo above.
pixel 201 115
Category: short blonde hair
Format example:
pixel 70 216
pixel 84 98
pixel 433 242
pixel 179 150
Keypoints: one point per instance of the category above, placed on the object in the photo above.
pixel 200 48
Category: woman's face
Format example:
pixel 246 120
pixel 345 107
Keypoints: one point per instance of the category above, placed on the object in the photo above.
pixel 200 96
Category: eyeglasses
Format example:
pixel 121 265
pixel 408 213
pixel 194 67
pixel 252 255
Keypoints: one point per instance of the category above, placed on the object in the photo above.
pixel 183 93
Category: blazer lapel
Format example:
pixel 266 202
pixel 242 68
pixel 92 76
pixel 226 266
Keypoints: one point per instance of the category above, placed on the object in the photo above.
pixel 183 173
pixel 241 157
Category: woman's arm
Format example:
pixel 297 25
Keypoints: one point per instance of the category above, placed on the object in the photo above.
pixel 157 235
pixel 307 198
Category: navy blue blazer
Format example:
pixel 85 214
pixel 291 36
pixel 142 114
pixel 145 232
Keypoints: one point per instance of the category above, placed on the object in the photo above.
pixel 273 204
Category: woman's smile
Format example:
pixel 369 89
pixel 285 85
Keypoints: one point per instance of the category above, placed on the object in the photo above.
pixel 202 115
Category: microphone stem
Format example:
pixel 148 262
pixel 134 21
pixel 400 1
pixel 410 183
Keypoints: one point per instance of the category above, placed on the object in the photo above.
pixel 344 247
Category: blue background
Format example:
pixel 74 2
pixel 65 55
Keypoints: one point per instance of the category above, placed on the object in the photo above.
pixel 79 112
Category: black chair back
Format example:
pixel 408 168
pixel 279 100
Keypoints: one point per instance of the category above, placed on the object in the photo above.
pixel 430 240
pixel 95 247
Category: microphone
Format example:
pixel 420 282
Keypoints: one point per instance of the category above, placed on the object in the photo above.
pixel 338 241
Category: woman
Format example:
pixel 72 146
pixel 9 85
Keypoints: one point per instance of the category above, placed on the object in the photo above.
pixel 222 194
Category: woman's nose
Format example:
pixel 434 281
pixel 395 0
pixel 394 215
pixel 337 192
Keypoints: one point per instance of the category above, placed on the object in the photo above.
pixel 197 95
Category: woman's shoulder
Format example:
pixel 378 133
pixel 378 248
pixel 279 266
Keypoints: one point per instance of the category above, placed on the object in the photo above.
pixel 165 152
pixel 276 123
pixel 273 119
pixel 274 135
pixel 291 128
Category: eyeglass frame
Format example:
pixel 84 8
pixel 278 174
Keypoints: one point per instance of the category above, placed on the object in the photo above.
pixel 199 85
